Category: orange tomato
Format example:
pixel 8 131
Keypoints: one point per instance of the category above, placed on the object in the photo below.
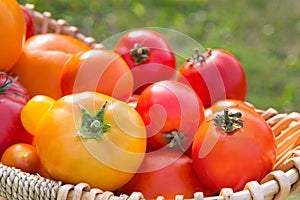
pixel 103 71
pixel 93 138
pixel 42 60
pixel 12 34
pixel 22 156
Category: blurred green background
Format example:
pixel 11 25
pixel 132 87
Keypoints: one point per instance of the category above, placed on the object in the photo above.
pixel 263 35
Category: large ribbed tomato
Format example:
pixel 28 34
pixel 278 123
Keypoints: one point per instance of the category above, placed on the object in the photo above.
pixel 93 138
pixel 12 34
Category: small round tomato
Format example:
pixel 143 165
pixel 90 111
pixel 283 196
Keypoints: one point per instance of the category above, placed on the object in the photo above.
pixel 172 113
pixel 102 71
pixel 214 75
pixel 149 55
pixel 102 139
pixel 166 173
pixel 12 34
pixel 22 156
pixel 33 111
pixel 237 144
pixel 13 97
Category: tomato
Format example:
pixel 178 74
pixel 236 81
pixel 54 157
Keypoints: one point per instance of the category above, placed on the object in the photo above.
pixel 149 55
pixel 29 23
pixel 235 147
pixel 41 62
pixel 93 138
pixel 13 97
pixel 33 111
pixel 227 103
pixel 22 156
pixel 214 75
pixel 166 173
pixel 172 113
pixel 103 71
pixel 12 34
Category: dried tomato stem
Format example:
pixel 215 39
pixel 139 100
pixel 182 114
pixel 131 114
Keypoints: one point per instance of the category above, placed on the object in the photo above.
pixel 229 122
pixel 175 139
pixel 139 53
pixel 198 57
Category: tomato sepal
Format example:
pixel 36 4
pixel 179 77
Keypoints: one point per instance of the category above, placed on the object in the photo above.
pixel 93 127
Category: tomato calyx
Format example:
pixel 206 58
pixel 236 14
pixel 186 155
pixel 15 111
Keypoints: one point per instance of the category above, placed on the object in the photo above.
pixel 198 57
pixel 93 127
pixel 228 122
pixel 175 139
pixel 7 83
pixel 139 53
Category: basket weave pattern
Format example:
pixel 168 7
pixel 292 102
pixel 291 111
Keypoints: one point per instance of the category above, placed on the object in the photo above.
pixel 283 181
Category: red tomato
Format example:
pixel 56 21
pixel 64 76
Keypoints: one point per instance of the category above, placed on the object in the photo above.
pixel 22 156
pixel 149 55
pixel 172 113
pixel 236 147
pixel 214 76
pixel 166 173
pixel 13 97
pixel 29 23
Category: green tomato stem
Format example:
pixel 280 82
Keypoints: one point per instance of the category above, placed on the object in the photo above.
pixel 93 127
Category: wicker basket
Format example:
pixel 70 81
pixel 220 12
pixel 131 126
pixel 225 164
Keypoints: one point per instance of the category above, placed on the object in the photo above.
pixel 283 181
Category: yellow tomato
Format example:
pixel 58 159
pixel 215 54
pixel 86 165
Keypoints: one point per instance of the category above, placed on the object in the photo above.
pixel 93 138
pixel 12 34
pixel 33 111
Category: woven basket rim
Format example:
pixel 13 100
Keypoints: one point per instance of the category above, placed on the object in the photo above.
pixel 282 182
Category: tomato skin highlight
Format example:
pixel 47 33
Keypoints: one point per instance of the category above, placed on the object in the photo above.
pixel 246 154
pixel 219 75
pixel 102 163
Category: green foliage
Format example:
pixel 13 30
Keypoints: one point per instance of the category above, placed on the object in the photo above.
pixel 263 35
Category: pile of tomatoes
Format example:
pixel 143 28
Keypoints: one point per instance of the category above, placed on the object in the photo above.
pixel 129 119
